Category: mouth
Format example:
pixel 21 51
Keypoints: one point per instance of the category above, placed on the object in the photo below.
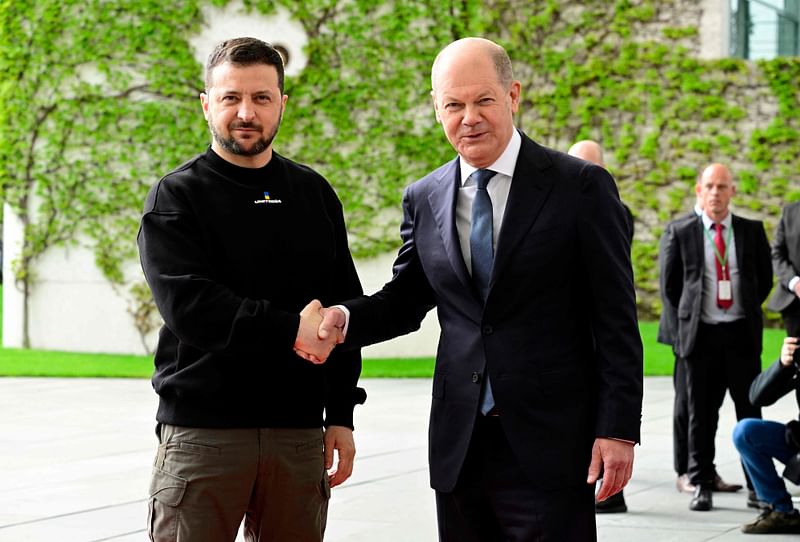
pixel 473 137
pixel 247 129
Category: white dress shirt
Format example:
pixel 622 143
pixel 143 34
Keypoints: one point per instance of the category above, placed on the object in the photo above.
pixel 711 313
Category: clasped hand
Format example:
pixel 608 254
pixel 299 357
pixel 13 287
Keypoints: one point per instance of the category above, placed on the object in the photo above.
pixel 320 330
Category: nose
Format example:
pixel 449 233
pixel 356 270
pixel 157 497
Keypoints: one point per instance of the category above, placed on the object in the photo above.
pixel 246 111
pixel 472 115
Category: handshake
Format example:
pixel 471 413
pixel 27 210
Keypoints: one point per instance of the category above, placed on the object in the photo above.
pixel 320 330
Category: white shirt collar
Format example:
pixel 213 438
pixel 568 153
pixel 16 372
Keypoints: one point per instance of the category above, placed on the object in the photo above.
pixel 707 222
pixel 505 164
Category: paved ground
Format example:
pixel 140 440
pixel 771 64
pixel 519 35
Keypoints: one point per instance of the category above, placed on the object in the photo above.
pixel 75 457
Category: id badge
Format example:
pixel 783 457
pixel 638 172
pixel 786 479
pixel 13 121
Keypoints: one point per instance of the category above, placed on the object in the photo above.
pixel 724 290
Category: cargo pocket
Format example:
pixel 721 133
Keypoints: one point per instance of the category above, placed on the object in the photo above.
pixel 325 486
pixel 166 494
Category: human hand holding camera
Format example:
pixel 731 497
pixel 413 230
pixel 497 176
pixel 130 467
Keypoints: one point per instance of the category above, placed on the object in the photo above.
pixel 788 350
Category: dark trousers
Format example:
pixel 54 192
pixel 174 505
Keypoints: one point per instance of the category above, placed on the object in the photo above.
pixel 495 501
pixel 791 319
pixel 723 358
pixel 680 419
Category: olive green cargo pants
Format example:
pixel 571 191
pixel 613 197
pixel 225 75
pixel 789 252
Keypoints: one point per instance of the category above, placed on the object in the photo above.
pixel 206 481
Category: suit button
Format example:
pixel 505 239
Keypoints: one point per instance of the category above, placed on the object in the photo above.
pixel 487 329
pixel 476 377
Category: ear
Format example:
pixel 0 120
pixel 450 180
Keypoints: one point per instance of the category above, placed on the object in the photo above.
pixel 204 103
pixel 514 93
pixel 435 107
pixel 697 189
pixel 284 99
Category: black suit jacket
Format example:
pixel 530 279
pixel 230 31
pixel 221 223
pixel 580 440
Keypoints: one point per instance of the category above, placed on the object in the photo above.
pixel 786 257
pixel 668 321
pixel 684 265
pixel 557 334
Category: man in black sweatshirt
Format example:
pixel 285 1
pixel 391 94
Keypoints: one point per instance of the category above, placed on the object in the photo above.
pixel 235 244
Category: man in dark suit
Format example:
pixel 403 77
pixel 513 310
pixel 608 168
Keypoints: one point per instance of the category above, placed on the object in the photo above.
pixel 786 264
pixel 538 378
pixel 667 328
pixel 716 274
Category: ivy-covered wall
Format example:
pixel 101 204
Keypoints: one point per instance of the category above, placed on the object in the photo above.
pixel 99 99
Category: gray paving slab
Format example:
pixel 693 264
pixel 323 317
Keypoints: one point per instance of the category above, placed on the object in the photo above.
pixel 75 459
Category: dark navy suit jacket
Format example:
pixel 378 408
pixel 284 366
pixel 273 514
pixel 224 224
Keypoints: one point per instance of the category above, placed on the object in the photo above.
pixel 557 334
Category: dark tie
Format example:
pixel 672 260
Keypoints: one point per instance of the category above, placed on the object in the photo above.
pixel 480 237
pixel 723 273
pixel 482 256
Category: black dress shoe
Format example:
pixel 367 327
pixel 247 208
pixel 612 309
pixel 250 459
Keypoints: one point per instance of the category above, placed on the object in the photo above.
pixel 615 504
pixel 701 502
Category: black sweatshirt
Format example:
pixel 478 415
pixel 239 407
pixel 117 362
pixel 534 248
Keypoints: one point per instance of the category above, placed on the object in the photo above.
pixel 232 255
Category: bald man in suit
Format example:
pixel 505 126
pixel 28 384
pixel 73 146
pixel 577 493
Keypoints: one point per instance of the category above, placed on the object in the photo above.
pixel 525 253
pixel 716 274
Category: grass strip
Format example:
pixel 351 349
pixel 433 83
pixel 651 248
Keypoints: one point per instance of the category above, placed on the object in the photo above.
pixel 658 361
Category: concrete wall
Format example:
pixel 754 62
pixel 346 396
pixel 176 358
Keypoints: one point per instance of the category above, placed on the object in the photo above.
pixel 715 29
pixel 72 306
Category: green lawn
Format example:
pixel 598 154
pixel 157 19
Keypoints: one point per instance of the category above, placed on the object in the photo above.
pixel 658 360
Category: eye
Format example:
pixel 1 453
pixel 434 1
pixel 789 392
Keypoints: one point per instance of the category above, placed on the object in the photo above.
pixel 262 99
pixel 452 106
pixel 229 98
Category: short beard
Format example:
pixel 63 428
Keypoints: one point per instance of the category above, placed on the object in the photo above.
pixel 232 146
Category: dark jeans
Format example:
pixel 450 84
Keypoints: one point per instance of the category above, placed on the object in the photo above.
pixel 758 441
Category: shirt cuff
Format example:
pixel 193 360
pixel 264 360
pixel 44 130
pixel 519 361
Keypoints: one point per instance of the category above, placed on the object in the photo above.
pixel 623 440
pixel 793 283
pixel 346 312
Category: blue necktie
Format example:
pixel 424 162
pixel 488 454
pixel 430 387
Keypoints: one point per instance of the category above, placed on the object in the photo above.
pixel 482 256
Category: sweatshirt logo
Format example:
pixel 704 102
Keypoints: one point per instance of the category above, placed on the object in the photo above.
pixel 266 199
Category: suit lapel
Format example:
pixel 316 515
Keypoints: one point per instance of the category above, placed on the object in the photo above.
pixel 442 200
pixel 530 188
pixel 697 248
pixel 738 239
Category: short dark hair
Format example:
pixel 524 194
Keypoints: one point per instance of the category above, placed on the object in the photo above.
pixel 502 65
pixel 245 52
